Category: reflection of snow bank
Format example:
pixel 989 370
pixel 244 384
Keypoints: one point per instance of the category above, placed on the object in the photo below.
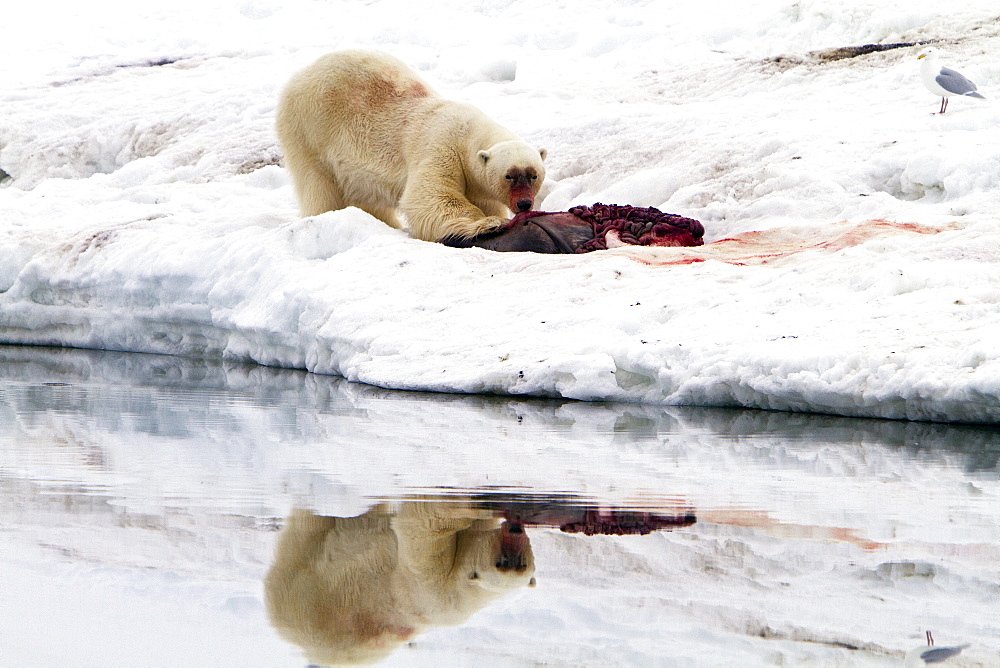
pixel 479 441
pixel 147 209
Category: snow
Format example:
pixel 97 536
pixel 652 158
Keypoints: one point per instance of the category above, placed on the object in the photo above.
pixel 146 208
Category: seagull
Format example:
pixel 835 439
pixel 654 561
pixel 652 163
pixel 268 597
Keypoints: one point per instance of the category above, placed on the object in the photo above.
pixel 929 654
pixel 944 81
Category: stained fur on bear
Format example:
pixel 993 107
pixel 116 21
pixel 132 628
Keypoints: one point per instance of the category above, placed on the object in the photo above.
pixel 352 590
pixel 360 128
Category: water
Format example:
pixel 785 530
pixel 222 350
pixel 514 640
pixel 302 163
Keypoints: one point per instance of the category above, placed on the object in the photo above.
pixel 143 498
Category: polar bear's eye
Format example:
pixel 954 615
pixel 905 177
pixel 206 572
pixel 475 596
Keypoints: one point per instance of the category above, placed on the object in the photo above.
pixel 509 177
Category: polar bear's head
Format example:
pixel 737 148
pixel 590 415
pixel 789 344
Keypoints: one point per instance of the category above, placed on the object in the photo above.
pixel 514 171
pixel 496 561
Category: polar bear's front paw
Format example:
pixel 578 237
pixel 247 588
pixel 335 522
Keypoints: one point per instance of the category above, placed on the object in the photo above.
pixel 489 225
pixel 464 230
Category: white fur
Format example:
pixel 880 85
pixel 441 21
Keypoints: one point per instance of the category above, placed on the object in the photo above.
pixel 351 590
pixel 359 128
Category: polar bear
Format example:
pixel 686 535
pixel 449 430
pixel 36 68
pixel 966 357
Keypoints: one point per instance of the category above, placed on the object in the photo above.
pixel 360 128
pixel 352 590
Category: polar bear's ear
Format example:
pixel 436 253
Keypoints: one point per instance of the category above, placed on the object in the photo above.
pixel 484 156
pixel 543 152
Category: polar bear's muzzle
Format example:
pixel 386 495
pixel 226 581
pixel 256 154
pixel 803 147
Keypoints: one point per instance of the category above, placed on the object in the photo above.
pixel 522 184
pixel 513 548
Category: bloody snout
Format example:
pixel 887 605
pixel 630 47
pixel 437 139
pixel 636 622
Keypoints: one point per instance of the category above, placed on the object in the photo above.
pixel 521 198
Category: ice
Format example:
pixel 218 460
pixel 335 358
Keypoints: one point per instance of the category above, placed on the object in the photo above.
pixel 147 210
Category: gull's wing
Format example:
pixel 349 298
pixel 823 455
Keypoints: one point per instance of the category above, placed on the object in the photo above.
pixel 954 82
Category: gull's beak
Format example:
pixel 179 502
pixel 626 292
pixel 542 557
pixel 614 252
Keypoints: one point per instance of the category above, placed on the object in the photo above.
pixel 922 55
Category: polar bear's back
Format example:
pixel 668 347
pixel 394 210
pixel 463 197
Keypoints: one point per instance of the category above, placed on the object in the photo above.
pixel 364 94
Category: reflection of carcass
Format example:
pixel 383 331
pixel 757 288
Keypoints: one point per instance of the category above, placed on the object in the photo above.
pixel 591 521
pixel 351 590
pixel 575 517
pixel 620 523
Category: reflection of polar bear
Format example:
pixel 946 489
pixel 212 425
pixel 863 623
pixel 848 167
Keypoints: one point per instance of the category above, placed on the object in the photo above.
pixel 359 128
pixel 351 590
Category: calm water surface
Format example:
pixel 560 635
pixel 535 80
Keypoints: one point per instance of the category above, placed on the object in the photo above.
pixel 158 511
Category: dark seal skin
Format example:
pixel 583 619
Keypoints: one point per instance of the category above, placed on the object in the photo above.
pixel 588 228
pixel 533 232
